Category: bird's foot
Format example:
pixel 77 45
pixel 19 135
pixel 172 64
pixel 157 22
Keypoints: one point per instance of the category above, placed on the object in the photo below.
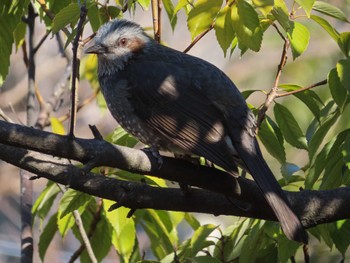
pixel 155 153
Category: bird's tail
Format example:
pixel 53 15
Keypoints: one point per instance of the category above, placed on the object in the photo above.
pixel 272 191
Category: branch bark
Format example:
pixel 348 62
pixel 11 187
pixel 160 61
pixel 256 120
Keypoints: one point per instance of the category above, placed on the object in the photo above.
pixel 313 207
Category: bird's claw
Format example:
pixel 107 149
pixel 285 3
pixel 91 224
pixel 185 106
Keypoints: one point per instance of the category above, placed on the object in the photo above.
pixel 155 153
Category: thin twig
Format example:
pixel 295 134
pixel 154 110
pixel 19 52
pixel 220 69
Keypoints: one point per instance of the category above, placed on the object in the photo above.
pixel 5 117
pixel 273 92
pixel 199 37
pixel 88 39
pixel 156 13
pixel 42 40
pixel 86 241
pixel 81 105
pixel 54 101
pixel 79 224
pixel 75 68
pixel 92 229
pixel 323 82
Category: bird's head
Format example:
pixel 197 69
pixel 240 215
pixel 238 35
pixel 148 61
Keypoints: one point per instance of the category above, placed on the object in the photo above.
pixel 116 42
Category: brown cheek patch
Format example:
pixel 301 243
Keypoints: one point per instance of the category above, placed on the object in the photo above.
pixel 136 45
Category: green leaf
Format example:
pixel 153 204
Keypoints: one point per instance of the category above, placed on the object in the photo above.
pixel 223 29
pixel 343 69
pixel 11 14
pixel 159 229
pixel 246 24
pixel 265 6
pixel 199 236
pixel 318 166
pixel 299 37
pixel 169 8
pixel 281 13
pixel 47 235
pixel 73 200
pixel 69 14
pixel 94 18
pixel 306 5
pixel 346 152
pixel 340 235
pixel 201 17
pixel 320 133
pixel 145 3
pixel 330 10
pixel 268 135
pixel 124 227
pixel 289 127
pixel 252 243
pixel 334 163
pixel 44 202
pixel 326 26
pixel 121 137
pixel 181 4
pixel 337 90
pixel 19 34
pixel 344 43
pixel 247 93
pixel 308 97
pixel 192 221
pixel 286 248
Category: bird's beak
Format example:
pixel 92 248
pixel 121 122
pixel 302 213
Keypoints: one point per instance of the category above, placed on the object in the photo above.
pixel 96 49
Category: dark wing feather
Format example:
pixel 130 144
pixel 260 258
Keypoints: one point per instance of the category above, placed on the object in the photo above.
pixel 172 106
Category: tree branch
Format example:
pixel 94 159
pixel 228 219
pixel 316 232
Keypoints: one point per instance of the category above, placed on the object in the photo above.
pixel 313 207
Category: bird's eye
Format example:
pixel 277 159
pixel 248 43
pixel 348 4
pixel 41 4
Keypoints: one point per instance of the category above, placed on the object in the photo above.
pixel 123 42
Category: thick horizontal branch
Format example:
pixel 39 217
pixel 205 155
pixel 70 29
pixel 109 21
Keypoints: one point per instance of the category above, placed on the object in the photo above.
pixel 313 207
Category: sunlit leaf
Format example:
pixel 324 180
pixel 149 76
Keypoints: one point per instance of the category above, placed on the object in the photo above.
pixel 169 8
pixel 265 6
pixel 246 24
pixel 337 89
pixel 306 5
pixel 326 26
pixel 223 29
pixel 299 37
pixel 343 69
pixel 124 228
pixel 57 126
pixel 344 43
pixel 329 10
pixel 281 13
pixel 201 17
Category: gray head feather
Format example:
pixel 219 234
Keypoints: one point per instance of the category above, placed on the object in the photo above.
pixel 119 40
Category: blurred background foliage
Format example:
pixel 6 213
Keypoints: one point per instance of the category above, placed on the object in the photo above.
pixel 306 135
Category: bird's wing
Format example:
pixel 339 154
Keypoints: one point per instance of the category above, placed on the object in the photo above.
pixel 166 99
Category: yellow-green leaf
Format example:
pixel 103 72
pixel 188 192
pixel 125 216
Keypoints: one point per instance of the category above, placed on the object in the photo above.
pixel 246 24
pixel 202 16
pixel 57 126
pixel 223 29
pixel 337 89
pixel 343 69
pixel 299 37
pixel 306 5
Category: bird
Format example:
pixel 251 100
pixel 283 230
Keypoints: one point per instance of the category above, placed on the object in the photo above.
pixel 183 104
